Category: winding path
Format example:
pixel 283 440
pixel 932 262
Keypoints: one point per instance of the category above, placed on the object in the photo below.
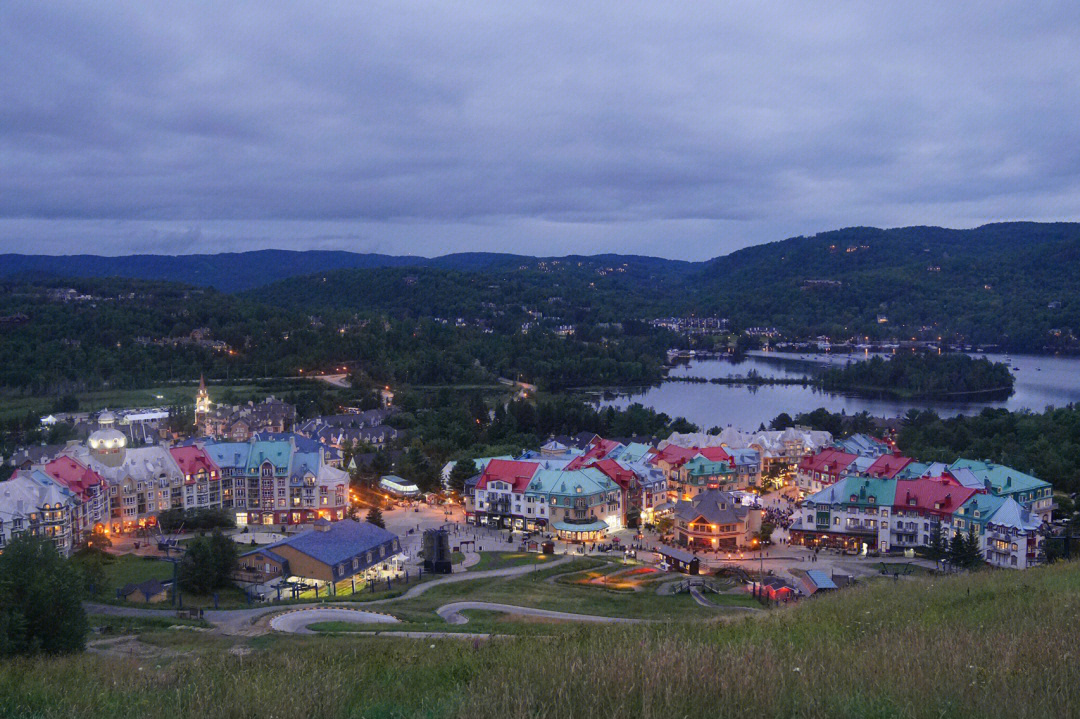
pixel 240 621
pixel 297 620
pixel 451 613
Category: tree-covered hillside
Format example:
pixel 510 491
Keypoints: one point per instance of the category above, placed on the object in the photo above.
pixel 1008 284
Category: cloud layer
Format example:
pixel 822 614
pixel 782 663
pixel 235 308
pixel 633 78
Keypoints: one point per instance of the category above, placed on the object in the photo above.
pixel 679 129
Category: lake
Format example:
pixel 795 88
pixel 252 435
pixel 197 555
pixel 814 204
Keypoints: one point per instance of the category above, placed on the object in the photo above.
pixel 1040 381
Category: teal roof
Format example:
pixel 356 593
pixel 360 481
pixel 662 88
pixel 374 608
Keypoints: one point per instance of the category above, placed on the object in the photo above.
pixel 554 482
pixel 985 504
pixel 704 467
pixel 633 452
pixel 914 470
pixel 1003 480
pixel 882 491
pixel 278 453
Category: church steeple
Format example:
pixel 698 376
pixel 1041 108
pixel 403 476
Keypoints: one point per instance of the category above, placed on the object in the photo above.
pixel 202 402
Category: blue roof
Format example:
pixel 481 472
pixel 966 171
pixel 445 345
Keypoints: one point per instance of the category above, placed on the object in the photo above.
pixel 820 579
pixel 228 454
pixel 340 541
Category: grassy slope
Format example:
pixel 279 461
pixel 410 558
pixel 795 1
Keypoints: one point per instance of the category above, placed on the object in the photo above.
pixel 996 644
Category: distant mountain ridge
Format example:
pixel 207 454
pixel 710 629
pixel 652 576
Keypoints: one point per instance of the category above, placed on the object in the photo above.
pixel 835 254
pixel 238 271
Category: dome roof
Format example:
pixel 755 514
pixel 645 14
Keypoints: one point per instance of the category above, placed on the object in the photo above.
pixel 107 438
pixel 106 418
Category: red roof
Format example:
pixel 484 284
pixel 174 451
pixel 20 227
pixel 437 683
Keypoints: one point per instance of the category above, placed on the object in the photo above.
pixel 192 460
pixel 674 455
pixel 598 449
pixel 72 474
pixel 616 472
pixel 888 466
pixel 715 454
pixel 514 472
pixel 930 495
pixel 829 460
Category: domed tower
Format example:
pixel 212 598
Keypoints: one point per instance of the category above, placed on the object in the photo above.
pixel 202 402
pixel 107 444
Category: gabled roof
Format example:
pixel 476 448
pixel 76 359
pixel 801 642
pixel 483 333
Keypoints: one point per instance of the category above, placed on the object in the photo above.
pixel 888 466
pixel 192 460
pixel 828 460
pixel 590 481
pixel 1012 514
pixel 73 474
pixel 515 473
pixel 674 455
pixel 340 541
pixel 228 454
pixel 275 452
pixel 148 588
pixel 622 476
pixel 930 495
pixel 715 454
pixel 714 506
pixel 984 504
pixel 1003 480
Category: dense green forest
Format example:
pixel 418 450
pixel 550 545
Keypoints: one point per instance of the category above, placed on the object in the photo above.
pixel 1046 445
pixel 921 375
pixel 135 334
pixel 1009 284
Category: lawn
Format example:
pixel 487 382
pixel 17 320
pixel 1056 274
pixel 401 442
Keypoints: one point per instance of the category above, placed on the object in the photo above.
pixel 503 560
pixel 988 645
pixel 130 569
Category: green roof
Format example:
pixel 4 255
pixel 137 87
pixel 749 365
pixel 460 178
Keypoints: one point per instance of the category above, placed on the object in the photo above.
pixel 278 453
pixel 705 467
pixel 985 504
pixel 914 470
pixel 555 482
pixel 1004 480
pixel 882 491
pixel 633 452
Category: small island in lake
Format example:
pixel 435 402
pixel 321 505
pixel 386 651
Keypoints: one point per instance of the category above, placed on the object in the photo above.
pixel 922 375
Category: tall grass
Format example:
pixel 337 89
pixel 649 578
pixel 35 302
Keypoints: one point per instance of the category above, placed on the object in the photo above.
pixel 995 644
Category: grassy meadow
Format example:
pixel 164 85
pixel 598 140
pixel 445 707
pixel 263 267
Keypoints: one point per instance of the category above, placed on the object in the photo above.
pixel 991 644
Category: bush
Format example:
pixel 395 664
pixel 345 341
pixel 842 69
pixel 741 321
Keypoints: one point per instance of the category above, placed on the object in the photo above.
pixel 40 600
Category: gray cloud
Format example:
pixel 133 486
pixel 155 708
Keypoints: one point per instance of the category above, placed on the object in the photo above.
pixel 679 129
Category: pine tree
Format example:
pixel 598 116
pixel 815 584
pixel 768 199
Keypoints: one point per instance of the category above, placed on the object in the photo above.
pixel 937 543
pixel 374 516
pixel 957 550
pixel 973 557
pixel 463 469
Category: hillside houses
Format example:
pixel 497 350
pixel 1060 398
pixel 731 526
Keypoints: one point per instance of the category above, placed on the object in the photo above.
pixel 105 485
pixel 863 513
pixel 239 422
pixel 342 430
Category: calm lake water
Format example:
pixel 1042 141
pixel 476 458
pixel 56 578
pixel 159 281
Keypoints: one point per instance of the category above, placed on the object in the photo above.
pixel 1040 381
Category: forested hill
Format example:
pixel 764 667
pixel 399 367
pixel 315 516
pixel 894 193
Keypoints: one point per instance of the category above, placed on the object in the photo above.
pixel 1014 284
pixel 1009 283
pixel 238 271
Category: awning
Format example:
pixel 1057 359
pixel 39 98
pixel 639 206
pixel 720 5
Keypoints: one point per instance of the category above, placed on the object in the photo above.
pixel 596 526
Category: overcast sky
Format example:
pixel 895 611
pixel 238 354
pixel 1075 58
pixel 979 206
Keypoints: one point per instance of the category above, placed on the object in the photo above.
pixel 681 129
